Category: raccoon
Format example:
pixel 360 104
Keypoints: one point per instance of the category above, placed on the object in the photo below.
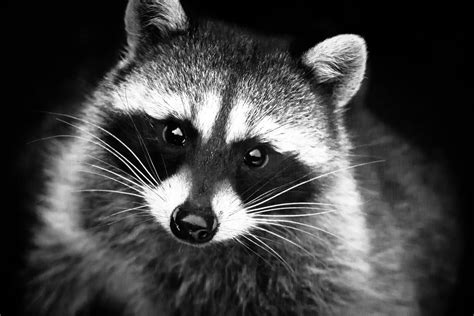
pixel 213 172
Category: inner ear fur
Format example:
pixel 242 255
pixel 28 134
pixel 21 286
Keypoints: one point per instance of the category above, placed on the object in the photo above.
pixel 161 16
pixel 338 66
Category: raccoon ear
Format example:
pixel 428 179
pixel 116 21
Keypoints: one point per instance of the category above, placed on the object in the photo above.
pixel 164 15
pixel 338 66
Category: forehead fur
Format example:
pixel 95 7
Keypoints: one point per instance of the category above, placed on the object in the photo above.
pixel 216 73
pixel 229 60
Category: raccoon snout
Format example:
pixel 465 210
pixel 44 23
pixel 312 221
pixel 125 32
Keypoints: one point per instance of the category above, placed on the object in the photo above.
pixel 195 226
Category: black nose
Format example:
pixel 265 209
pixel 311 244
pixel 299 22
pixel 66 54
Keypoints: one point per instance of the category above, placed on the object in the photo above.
pixel 194 226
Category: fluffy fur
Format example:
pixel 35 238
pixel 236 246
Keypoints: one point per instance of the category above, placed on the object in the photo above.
pixel 375 248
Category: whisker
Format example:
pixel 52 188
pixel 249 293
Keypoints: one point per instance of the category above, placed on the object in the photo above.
pixel 269 192
pixel 267 180
pixel 323 211
pixel 272 221
pixel 262 196
pixel 290 204
pixel 365 156
pixel 108 145
pixel 125 211
pixel 49 138
pixel 315 178
pixel 164 165
pixel 253 251
pixel 140 138
pixel 284 208
pixel 112 179
pixel 104 130
pixel 147 157
pixel 110 191
pixel 375 143
pixel 111 151
pixel 105 163
pixel 247 247
pixel 270 250
pixel 284 238
pixel 144 218
pixel 116 174
pixel 291 227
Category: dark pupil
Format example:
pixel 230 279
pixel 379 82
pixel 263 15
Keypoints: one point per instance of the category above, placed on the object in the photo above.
pixel 174 135
pixel 255 158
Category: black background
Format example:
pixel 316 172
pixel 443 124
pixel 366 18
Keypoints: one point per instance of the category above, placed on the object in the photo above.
pixel 57 50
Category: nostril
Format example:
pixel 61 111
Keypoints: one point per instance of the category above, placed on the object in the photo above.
pixel 194 226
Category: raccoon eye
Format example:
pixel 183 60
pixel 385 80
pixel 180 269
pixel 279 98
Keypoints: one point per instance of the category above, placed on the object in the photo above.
pixel 256 157
pixel 174 135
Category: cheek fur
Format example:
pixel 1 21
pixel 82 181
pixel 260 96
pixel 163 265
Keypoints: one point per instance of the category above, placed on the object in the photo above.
pixel 232 217
pixel 171 193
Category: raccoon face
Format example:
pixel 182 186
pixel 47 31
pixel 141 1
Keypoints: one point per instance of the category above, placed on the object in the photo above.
pixel 219 132
pixel 210 188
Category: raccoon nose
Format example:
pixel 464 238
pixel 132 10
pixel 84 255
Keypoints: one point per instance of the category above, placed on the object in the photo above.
pixel 194 226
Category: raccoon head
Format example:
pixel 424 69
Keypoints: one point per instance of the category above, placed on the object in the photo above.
pixel 219 130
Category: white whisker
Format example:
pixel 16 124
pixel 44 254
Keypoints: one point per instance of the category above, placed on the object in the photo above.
pixel 112 179
pixel 269 249
pixel 253 251
pixel 267 180
pixel 140 138
pixel 263 195
pixel 116 174
pixel 110 191
pixel 315 178
pixel 105 163
pixel 290 204
pixel 271 221
pixel 111 147
pixel 144 218
pixel 290 208
pixel 259 215
pixel 125 211
pixel 112 151
pixel 284 238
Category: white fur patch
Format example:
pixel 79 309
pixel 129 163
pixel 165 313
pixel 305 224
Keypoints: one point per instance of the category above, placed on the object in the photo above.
pixel 168 195
pixel 231 215
pixel 286 138
pixel 350 222
pixel 59 211
pixel 292 139
pixel 206 115
pixel 136 96
pixel 237 127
